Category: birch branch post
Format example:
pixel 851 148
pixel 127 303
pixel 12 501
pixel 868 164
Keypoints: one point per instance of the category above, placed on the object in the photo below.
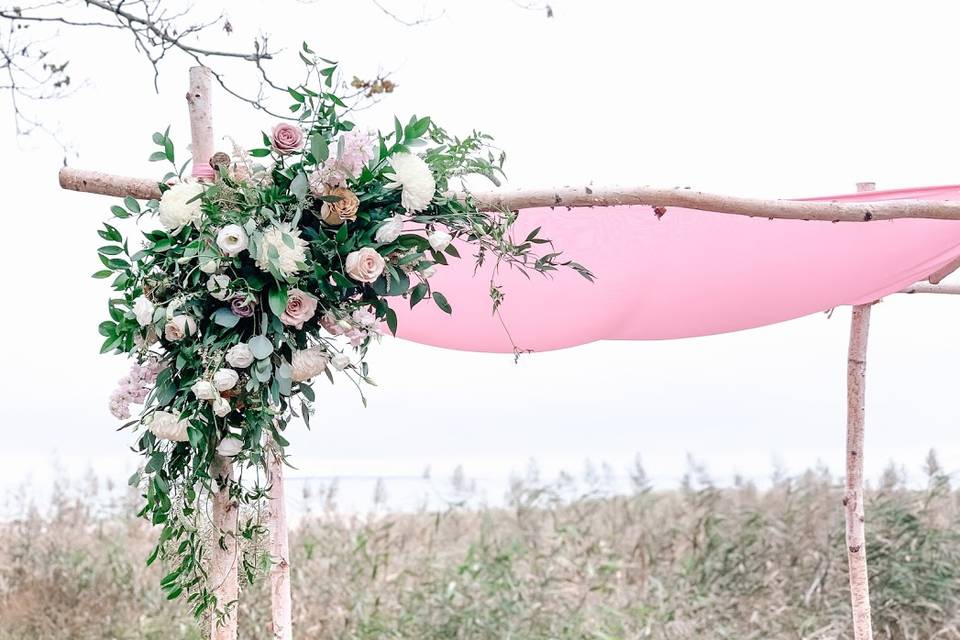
pixel 224 510
pixel 280 599
pixel 853 495
pixel 571 197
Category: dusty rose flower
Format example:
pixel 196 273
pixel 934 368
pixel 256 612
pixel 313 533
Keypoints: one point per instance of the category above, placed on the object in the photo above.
pixel 329 322
pixel 300 307
pixel 286 138
pixel 364 265
pixel 242 306
pixel 334 213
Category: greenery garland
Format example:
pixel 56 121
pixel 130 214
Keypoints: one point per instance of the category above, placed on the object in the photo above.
pixel 280 269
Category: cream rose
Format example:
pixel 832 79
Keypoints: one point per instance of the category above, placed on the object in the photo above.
pixel 240 356
pixel 389 230
pixel 232 239
pixel 364 265
pixel 178 327
pixel 143 310
pixel 229 447
pixel 300 308
pixel 219 286
pixel 166 425
pixel 225 379
pixel 221 407
pixel 340 362
pixel 204 390
pixel 439 240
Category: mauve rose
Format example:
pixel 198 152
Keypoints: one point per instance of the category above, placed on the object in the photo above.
pixel 286 138
pixel 300 307
pixel 329 322
pixel 242 306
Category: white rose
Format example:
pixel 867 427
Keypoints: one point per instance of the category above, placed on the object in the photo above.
pixel 221 407
pixel 178 327
pixel 340 362
pixel 225 379
pixel 166 425
pixel 175 209
pixel 240 356
pixel 218 286
pixel 389 230
pixel 232 239
pixel 229 447
pixel 439 240
pixel 364 265
pixel 204 390
pixel 209 265
pixel 143 310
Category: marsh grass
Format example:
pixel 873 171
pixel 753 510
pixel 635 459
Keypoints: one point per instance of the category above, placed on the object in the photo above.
pixel 696 562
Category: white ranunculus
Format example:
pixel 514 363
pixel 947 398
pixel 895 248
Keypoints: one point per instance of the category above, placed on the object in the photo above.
pixel 308 363
pixel 340 362
pixel 439 240
pixel 209 265
pixel 221 407
pixel 389 230
pixel 204 390
pixel 232 239
pixel 225 379
pixel 289 259
pixel 229 447
pixel 240 356
pixel 175 210
pixel 143 310
pixel 413 175
pixel 179 327
pixel 166 425
pixel 219 286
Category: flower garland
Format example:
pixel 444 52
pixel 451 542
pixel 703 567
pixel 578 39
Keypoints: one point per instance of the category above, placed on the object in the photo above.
pixel 280 269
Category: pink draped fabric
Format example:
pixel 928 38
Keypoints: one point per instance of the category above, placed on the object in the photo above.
pixel 690 273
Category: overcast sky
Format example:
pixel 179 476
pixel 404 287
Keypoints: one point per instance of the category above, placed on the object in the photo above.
pixel 750 98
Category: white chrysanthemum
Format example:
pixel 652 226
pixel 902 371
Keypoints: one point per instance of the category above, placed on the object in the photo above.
pixel 175 209
pixel 308 363
pixel 164 424
pixel 289 259
pixel 412 174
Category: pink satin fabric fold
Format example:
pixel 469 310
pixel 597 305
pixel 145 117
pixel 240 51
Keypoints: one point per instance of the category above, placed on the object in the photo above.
pixel 691 273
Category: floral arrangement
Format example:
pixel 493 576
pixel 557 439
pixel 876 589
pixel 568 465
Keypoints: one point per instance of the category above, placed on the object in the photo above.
pixel 281 269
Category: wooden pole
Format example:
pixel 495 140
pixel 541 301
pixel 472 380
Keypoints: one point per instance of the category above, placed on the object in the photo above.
pixel 853 496
pixel 223 552
pixel 280 600
pixel 570 197
pixel 224 510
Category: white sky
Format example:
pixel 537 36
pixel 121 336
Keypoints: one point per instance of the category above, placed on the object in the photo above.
pixel 752 98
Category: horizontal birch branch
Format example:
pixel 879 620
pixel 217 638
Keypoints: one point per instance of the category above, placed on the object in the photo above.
pixel 948 289
pixel 571 197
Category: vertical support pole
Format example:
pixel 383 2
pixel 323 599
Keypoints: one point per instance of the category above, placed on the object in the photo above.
pixel 280 600
pixel 853 497
pixel 199 99
pixel 224 563
pixel 223 554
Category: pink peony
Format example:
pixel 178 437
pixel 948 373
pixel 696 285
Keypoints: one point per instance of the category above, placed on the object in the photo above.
pixel 300 307
pixel 286 138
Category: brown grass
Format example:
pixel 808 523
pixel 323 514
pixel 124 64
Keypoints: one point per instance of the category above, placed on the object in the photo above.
pixel 698 562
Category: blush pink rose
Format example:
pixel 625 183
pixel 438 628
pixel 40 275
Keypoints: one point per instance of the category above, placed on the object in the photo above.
pixel 286 138
pixel 364 265
pixel 300 307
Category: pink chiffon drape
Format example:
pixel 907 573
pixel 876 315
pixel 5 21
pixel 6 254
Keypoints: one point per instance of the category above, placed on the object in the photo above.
pixel 691 273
